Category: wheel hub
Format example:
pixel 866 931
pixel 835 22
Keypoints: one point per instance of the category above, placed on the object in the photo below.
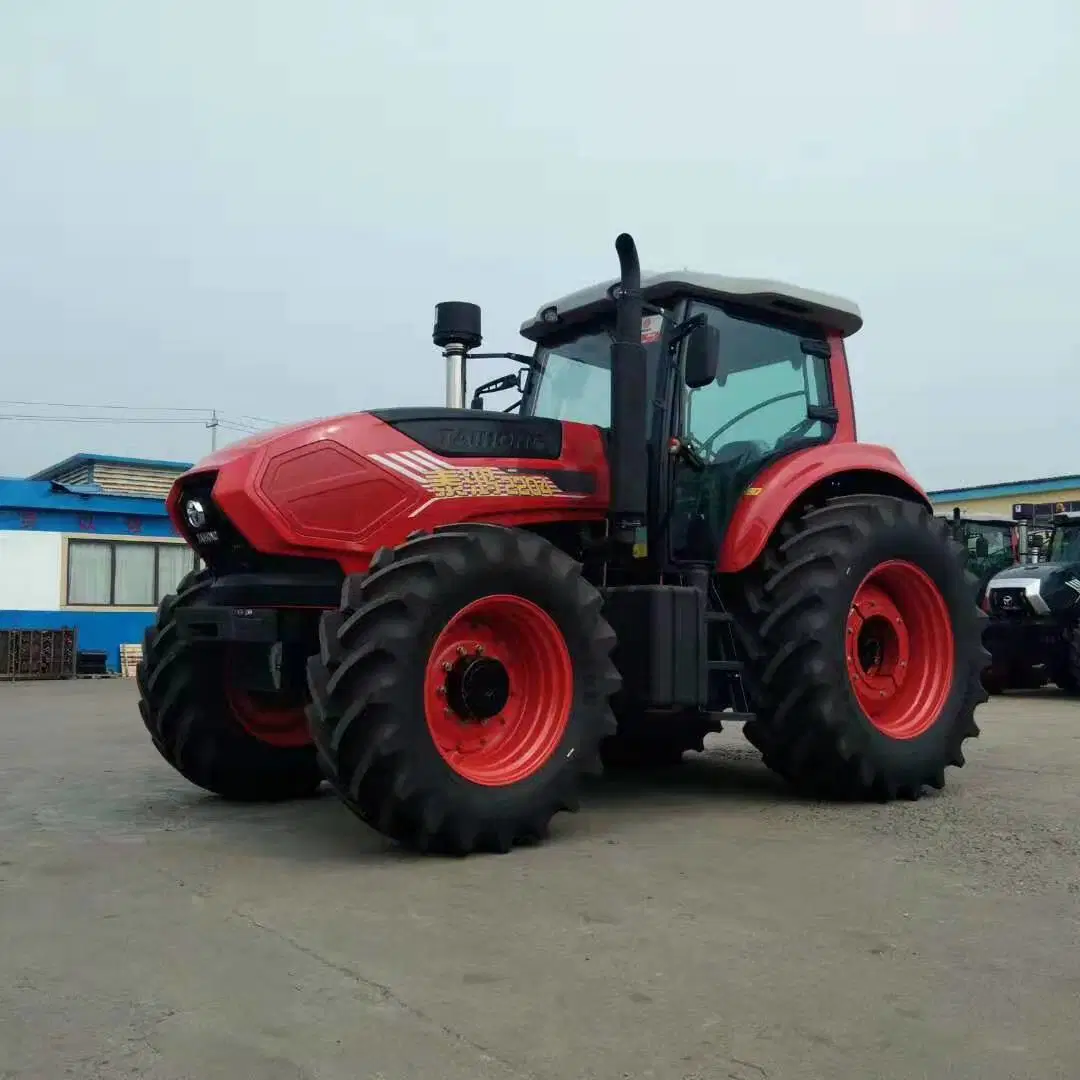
pixel 498 690
pixel 477 688
pixel 899 649
pixel 878 645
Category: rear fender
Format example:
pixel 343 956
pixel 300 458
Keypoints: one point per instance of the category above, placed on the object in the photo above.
pixel 811 475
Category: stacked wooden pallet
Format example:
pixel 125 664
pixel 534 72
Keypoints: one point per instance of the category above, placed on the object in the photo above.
pixel 130 655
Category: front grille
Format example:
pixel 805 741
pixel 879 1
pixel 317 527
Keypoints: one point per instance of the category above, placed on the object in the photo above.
pixel 213 537
pixel 224 549
pixel 1008 602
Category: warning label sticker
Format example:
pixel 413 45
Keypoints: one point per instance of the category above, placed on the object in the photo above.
pixel 652 326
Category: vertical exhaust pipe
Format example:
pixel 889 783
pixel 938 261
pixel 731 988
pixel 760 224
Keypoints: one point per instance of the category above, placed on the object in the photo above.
pixel 629 456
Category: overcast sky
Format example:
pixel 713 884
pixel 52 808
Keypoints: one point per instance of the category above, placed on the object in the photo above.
pixel 254 206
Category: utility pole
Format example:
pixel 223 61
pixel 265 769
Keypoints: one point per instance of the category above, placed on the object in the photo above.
pixel 213 426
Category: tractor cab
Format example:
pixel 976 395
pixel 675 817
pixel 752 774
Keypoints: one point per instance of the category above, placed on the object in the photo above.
pixel 1064 545
pixel 989 544
pixel 733 375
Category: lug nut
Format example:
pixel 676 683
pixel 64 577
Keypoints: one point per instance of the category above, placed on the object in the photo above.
pixel 446 665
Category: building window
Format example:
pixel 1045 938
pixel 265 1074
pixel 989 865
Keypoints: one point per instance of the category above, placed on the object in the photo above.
pixel 118 573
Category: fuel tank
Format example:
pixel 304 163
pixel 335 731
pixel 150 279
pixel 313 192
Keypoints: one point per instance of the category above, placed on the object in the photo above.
pixel 343 487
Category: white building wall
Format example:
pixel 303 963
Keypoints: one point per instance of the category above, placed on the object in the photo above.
pixel 30 566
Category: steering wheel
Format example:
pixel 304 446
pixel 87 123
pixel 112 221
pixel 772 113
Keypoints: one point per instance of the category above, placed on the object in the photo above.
pixel 704 446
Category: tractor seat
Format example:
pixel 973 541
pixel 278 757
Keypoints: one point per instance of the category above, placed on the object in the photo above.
pixel 733 451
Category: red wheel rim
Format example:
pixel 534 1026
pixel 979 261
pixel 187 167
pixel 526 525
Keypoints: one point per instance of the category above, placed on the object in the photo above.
pixel 498 690
pixel 265 718
pixel 899 649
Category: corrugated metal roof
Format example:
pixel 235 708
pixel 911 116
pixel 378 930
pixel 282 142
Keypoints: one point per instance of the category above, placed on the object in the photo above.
pixel 85 460
pixel 1012 489
pixel 45 495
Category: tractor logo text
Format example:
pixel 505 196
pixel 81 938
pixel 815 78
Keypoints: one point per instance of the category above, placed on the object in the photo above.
pixel 445 480
pixel 492 440
pixel 485 482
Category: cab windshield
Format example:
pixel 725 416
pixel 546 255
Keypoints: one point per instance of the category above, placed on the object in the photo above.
pixel 986 540
pixel 572 380
pixel 1065 544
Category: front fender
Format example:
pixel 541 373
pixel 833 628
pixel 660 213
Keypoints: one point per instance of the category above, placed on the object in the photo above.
pixel 843 467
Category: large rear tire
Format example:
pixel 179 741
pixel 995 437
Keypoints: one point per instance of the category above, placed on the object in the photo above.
pixel 865 651
pixel 463 689
pixel 233 744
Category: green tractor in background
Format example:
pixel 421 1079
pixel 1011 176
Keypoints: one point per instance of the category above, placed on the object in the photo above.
pixel 990 544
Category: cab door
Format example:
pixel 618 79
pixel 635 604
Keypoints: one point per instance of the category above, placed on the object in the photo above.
pixel 771 397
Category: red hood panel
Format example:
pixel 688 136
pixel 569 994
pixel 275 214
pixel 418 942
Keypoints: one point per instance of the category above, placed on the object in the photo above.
pixel 346 485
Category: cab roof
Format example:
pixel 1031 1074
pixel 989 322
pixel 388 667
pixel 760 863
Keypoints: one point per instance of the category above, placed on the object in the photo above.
pixel 830 312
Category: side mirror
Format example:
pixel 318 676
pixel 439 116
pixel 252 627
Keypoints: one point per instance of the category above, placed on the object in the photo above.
pixel 702 355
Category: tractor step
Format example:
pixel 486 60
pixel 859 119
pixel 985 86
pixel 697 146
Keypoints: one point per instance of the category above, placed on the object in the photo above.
pixel 733 667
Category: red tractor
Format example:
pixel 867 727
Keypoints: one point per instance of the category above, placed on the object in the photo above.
pixel 455 614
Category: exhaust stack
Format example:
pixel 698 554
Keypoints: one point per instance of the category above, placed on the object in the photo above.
pixel 629 451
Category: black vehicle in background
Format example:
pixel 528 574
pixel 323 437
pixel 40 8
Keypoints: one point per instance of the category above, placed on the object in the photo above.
pixel 1034 608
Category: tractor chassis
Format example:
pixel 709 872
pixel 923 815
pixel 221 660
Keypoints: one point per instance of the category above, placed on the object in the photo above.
pixel 669 650
pixel 675 653
pixel 269 624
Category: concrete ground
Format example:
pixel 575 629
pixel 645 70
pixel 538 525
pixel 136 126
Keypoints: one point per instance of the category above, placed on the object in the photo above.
pixel 707 925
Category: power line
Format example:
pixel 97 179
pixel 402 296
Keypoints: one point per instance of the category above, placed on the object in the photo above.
pixel 258 419
pixel 206 413
pixel 118 408
pixel 211 419
pixel 45 419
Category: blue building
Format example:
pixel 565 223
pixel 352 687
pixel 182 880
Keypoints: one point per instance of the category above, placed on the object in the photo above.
pixel 87 544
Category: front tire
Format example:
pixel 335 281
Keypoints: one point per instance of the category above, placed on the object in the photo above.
pixel 204 728
pixel 865 651
pixel 463 689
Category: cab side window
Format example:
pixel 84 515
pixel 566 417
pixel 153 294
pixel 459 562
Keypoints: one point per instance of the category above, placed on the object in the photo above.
pixel 758 404
pixel 756 408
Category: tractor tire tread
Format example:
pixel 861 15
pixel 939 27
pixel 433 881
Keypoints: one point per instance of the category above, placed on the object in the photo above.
pixel 363 717
pixel 199 737
pixel 802 726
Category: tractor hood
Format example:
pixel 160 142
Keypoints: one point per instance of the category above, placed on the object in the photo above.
pixel 1038 588
pixel 342 487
